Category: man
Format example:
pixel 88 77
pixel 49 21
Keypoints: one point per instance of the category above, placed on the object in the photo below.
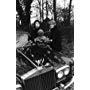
pixel 40 48
pixel 41 41
pixel 45 25
pixel 55 36
pixel 41 37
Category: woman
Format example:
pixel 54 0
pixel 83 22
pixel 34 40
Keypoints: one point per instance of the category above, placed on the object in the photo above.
pixel 36 27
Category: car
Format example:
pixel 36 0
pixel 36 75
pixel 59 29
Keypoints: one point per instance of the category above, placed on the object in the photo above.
pixel 48 76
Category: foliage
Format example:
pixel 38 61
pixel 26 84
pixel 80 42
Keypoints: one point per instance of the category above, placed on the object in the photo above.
pixel 23 10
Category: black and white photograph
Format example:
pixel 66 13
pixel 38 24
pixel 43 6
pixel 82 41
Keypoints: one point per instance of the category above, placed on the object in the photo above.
pixel 44 44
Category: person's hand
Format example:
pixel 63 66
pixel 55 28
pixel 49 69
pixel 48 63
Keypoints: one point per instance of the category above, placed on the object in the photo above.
pixel 37 39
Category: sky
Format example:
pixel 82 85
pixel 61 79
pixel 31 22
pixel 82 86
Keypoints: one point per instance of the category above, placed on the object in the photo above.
pixel 61 2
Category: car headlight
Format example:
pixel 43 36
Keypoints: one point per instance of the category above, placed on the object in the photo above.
pixel 66 71
pixel 60 74
pixel 18 87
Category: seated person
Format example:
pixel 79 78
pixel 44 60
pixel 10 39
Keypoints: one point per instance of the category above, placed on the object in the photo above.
pixel 40 48
pixel 41 39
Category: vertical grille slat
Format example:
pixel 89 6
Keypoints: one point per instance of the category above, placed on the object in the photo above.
pixel 45 81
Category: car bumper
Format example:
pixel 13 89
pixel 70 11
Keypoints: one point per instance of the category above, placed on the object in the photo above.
pixel 69 84
pixel 64 87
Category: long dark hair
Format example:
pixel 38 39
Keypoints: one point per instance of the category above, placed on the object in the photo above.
pixel 35 24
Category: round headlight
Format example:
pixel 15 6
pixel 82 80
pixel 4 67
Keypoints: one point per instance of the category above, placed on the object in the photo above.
pixel 66 71
pixel 60 74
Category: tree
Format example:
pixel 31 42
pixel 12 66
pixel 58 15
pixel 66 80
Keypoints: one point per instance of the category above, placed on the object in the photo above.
pixel 46 9
pixel 65 14
pixel 39 7
pixel 43 7
pixel 24 14
pixel 69 15
pixel 54 9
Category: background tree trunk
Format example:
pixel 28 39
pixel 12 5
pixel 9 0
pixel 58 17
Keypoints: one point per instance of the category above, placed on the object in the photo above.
pixel 42 10
pixel 19 9
pixel 24 17
pixel 54 9
pixel 46 9
pixel 69 15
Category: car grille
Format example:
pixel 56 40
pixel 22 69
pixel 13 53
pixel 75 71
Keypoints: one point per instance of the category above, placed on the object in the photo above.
pixel 44 81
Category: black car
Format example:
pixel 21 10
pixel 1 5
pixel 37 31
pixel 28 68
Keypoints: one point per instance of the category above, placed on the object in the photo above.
pixel 48 76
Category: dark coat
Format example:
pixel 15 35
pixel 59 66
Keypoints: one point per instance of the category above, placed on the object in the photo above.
pixel 56 37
